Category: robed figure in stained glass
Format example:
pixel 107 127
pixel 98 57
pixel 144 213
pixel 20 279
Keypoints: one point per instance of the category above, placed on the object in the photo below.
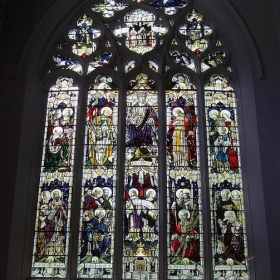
pixel 56 225
pixel 52 226
pixel 96 240
pixel 183 142
pixel 188 246
pixel 222 134
pixel 59 138
pixel 133 213
pixel 101 128
pixel 102 136
pixel 142 120
pixel 181 133
pixel 233 238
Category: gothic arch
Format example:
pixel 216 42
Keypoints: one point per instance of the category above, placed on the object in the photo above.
pixel 247 68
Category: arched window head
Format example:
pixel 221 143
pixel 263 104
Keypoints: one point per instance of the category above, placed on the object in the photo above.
pixel 139 156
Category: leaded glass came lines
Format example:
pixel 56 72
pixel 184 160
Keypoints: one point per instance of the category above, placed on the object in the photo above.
pixel 185 239
pixel 141 214
pixel 146 64
pixel 97 220
pixel 51 242
pixel 229 246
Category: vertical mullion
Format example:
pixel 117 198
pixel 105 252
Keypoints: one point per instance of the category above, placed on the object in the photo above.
pixel 206 214
pixel 77 183
pixel 162 182
pixel 118 252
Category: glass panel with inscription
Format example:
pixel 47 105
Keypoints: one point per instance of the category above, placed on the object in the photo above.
pixel 52 230
pixel 229 239
pixel 141 219
pixel 184 219
pixel 97 218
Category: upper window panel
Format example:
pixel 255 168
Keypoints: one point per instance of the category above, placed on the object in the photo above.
pixel 65 62
pixel 170 7
pixel 84 35
pixel 140 31
pixel 108 8
pixel 195 32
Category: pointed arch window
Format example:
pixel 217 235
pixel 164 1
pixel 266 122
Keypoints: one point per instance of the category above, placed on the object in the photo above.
pixel 140 174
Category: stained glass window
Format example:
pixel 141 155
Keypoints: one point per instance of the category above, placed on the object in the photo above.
pixel 140 31
pixel 141 213
pixel 84 36
pixel 185 241
pixel 229 246
pixel 145 149
pixel 99 180
pixel 52 230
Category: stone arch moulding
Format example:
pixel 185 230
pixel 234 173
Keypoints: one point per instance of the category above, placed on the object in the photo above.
pixel 247 68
